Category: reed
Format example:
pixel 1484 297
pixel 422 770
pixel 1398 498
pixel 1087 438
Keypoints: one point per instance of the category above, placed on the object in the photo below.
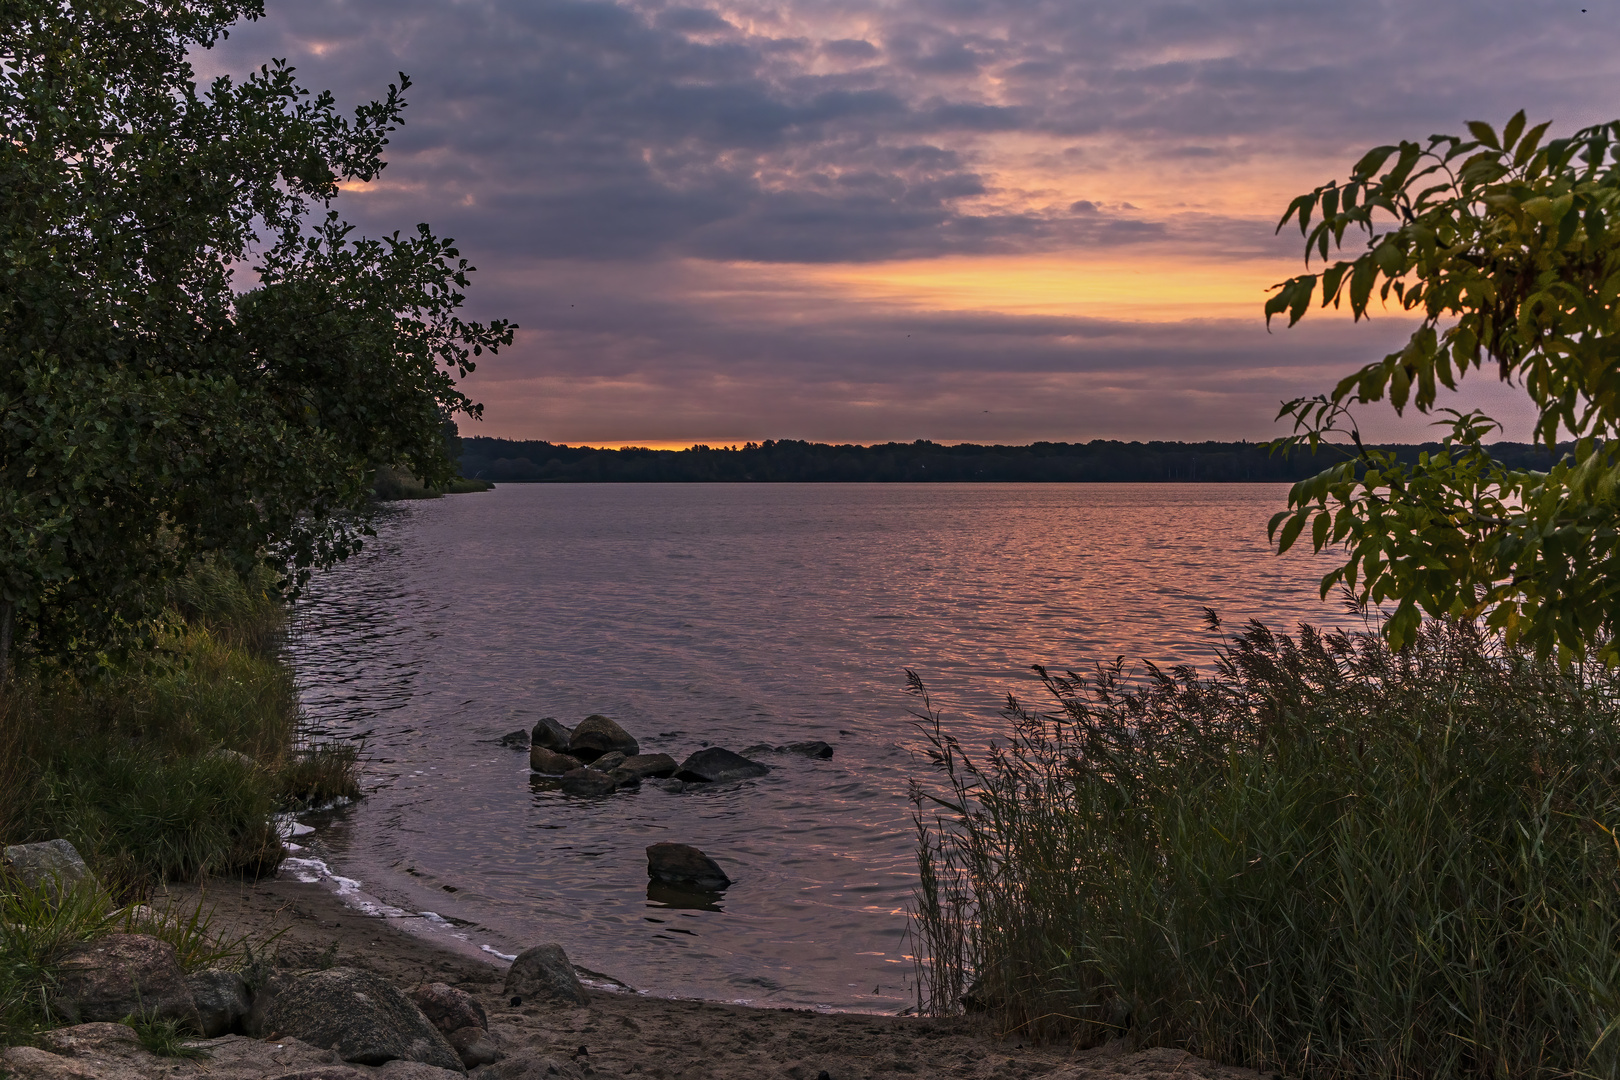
pixel 1323 859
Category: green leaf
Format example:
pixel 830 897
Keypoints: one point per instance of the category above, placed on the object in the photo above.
pixel 1510 133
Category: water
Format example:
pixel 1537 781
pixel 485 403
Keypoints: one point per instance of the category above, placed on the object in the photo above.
pixel 732 615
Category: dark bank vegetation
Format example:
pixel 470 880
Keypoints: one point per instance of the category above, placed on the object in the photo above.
pixel 795 461
pixel 174 764
pixel 1325 858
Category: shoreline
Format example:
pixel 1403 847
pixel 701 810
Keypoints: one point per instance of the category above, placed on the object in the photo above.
pixel 624 1033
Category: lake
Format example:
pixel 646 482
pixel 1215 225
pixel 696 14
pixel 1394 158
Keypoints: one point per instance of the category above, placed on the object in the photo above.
pixel 730 615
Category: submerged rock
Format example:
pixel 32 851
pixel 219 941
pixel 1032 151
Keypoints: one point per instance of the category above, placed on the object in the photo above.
pixel 362 1016
pixel 544 760
pixel 550 734
pixel 586 781
pixel 817 749
pixel 682 864
pixel 597 735
pixel 715 765
pixel 515 740
pixel 123 975
pixel 543 973
pixel 650 765
pixel 54 865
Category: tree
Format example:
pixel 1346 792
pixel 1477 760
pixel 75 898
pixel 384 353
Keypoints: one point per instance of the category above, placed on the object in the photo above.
pixel 1508 251
pixel 196 353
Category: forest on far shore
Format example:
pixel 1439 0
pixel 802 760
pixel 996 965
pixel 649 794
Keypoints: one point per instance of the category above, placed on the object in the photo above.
pixel 507 461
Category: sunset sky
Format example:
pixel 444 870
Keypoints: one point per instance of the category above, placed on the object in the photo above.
pixel 864 220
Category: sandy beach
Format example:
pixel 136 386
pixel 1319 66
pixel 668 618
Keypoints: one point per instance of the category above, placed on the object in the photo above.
pixel 629 1034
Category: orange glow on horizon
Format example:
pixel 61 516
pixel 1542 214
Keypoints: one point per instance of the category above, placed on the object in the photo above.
pixel 1137 287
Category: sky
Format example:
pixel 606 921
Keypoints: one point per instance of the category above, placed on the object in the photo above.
pixel 873 220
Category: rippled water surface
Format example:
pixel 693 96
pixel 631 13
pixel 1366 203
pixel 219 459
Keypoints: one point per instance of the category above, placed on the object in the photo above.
pixel 732 614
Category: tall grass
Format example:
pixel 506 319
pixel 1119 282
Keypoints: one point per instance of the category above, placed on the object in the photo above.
pixel 1324 859
pixel 174 766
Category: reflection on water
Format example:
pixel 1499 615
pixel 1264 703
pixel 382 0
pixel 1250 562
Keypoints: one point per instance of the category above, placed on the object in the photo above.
pixel 732 615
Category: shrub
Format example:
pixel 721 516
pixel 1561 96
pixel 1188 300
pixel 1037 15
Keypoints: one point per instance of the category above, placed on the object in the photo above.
pixel 1326 858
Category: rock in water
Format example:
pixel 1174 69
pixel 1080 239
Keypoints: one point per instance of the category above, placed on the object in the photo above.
pixel 608 762
pixel 815 749
pixel 597 735
pixel 222 1000
pixel 550 734
pixel 54 865
pixel 515 740
pixel 714 765
pixel 363 1016
pixel 544 973
pixel 588 781
pixel 649 766
pixel 544 760
pixel 449 1009
pixel 123 975
pixel 682 864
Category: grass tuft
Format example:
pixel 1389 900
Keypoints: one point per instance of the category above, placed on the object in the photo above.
pixel 1325 859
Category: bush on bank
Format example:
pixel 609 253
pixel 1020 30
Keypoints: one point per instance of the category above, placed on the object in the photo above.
pixel 171 766
pixel 1326 859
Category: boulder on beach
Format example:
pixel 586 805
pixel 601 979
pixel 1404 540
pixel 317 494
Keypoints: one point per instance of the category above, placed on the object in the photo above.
pixel 449 1009
pixel 362 1016
pixel 715 765
pixel 650 766
pixel 685 865
pixel 550 734
pixel 597 735
pixel 587 781
pixel 54 865
pixel 123 975
pixel 545 760
pixel 474 1046
pixel 222 1000
pixel 544 973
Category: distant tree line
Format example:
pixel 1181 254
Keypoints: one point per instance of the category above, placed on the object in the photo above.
pixel 506 461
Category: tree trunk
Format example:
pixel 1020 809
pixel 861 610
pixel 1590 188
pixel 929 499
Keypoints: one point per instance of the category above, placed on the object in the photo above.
pixel 6 609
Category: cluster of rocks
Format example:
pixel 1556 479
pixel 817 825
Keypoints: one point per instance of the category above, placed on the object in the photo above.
pixel 357 1016
pixel 599 757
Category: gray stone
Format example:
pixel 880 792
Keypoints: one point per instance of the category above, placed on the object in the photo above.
pixel 550 734
pixel 515 740
pixel 222 1001
pixel 54 865
pixel 545 760
pixel 475 1046
pixel 815 749
pixel 716 765
pixel 543 973
pixel 608 762
pixel 760 748
pixel 649 766
pixel 588 781
pixel 449 1009
pixel 669 784
pixel 362 1016
pixel 597 735
pixel 123 975
pixel 682 864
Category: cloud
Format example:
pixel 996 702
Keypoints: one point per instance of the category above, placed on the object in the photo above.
pixel 640 139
